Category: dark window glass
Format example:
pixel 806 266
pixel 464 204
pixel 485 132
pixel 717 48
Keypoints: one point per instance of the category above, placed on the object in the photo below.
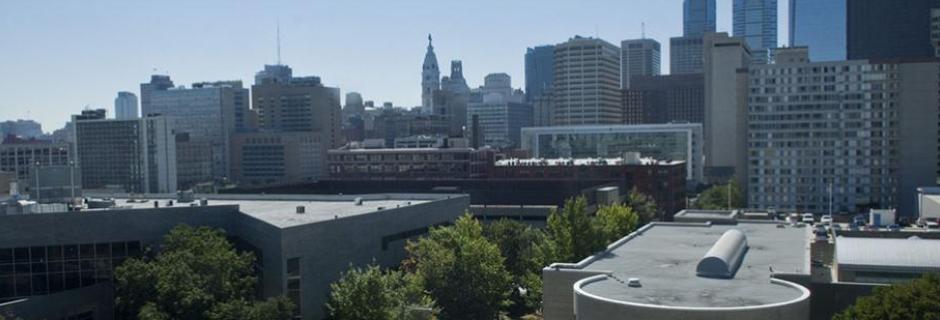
pixel 21 254
pixel 72 280
pixel 39 267
pixel 22 268
pixel 55 266
pixel 54 253
pixel 6 255
pixel 88 265
pixel 88 278
pixel 118 249
pixel 39 284
pixel 56 282
pixel 103 250
pixel 72 266
pixel 38 254
pixel 71 252
pixel 293 267
pixel 133 248
pixel 87 251
pixel 23 286
pixel 6 287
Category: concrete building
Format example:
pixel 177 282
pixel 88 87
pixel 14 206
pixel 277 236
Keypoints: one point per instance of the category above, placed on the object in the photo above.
pixel 209 113
pixel 586 89
pixel 276 158
pixel 411 163
pixel 542 110
pixel 277 73
pixel 884 260
pixel 821 26
pixel 21 128
pixel 430 79
pixel 745 270
pixel 295 240
pixel 665 142
pixel 673 98
pixel 125 106
pixel 55 184
pixel 880 29
pixel 755 21
pixel 501 122
pixel 157 83
pixel 867 130
pixel 639 57
pixel 303 104
pixel 353 105
pixel 725 62
pixel 539 71
pixel 451 101
pixel 685 55
pixel 136 156
pixel 20 157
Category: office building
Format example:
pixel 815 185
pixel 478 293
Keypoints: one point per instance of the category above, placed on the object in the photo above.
pixel 409 164
pixel 685 55
pixel 542 110
pixel 639 57
pixel 855 134
pixel 354 105
pixel 20 157
pixel 136 156
pixel 664 142
pixel 451 101
pixel 878 29
pixel 821 26
pixel 501 113
pixel 539 71
pixel 725 62
pixel 276 158
pixel 934 34
pixel 302 244
pixel 665 99
pixel 302 104
pixel 277 73
pixel 691 270
pixel 755 21
pixel 21 128
pixel 55 184
pixel 125 106
pixel 157 83
pixel 209 113
pixel 586 89
pixel 698 17
pixel 430 79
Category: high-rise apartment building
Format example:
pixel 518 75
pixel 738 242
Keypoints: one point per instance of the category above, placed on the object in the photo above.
pixel 726 62
pixel 586 89
pixel 665 99
pixel 209 113
pixel 640 57
pixel 430 78
pixel 698 17
pixel 885 29
pixel 125 106
pixel 756 22
pixel 134 156
pixel 821 26
pixel 539 71
pixel 851 134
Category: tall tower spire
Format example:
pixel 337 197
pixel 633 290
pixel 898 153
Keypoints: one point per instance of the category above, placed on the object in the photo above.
pixel 430 78
pixel 278 42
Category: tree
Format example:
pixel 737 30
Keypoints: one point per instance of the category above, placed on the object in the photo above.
pixel 573 232
pixel 616 221
pixel 643 205
pixel 197 275
pixel 371 293
pixel 526 251
pixel 462 270
pixel 716 197
pixel 919 299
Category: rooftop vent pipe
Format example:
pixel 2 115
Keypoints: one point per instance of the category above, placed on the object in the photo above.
pixel 724 257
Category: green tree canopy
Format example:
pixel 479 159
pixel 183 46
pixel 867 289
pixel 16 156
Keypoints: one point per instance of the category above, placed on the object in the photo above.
pixel 919 299
pixel 197 275
pixel 573 231
pixel 462 270
pixel 616 221
pixel 716 197
pixel 643 205
pixel 526 251
pixel 373 294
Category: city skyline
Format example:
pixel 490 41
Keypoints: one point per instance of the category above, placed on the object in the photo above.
pixel 87 52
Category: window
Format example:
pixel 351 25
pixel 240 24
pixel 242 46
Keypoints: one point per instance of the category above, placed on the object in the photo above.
pixel 293 284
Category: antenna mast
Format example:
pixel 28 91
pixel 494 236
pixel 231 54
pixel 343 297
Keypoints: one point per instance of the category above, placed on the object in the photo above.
pixel 643 30
pixel 279 42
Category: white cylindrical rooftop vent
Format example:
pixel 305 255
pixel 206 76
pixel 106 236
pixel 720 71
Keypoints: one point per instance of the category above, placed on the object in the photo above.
pixel 724 257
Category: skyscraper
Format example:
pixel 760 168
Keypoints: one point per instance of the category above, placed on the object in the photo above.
pixel 884 29
pixel 125 106
pixel 586 89
pixel 451 101
pixel 698 17
pixel 756 22
pixel 430 79
pixel 278 73
pixel 726 62
pixel 640 57
pixel 539 71
pixel 821 26
pixel 157 82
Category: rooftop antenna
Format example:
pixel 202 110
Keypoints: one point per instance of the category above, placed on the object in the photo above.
pixel 642 30
pixel 278 42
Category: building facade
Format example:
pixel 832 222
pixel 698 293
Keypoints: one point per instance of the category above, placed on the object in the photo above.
pixel 855 134
pixel 698 17
pixel 640 57
pixel 821 26
pixel 125 106
pixel 889 29
pixel 430 78
pixel 685 55
pixel 665 99
pixel 500 122
pixel 20 157
pixel 665 142
pixel 756 22
pixel 586 89
pixel 136 156
pixel 539 71
pixel 725 60
pixel 409 164
pixel 273 158
pixel 302 104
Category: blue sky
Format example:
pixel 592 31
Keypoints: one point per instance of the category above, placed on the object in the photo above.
pixel 58 56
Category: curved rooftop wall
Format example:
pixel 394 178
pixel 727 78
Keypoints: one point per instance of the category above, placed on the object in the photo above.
pixel 724 257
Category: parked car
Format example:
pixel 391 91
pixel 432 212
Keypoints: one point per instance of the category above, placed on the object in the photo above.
pixel 931 223
pixel 825 219
pixel 808 218
pixel 859 221
pixel 894 227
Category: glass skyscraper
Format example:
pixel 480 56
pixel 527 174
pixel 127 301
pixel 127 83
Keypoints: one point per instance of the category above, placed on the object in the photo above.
pixel 539 70
pixel 698 17
pixel 756 22
pixel 821 26
pixel 886 29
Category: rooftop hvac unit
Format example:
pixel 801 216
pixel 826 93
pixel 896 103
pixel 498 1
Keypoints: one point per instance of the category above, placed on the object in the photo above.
pixel 301 209
pixel 358 201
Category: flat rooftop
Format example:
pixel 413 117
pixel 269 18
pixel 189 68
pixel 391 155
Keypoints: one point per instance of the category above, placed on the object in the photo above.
pixel 281 210
pixel 664 257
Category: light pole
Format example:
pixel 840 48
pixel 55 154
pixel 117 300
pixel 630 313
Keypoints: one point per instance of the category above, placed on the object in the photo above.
pixel 36 169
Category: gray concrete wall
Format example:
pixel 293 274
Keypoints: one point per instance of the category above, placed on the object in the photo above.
pixel 558 291
pixel 919 108
pixel 97 299
pixel 329 248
